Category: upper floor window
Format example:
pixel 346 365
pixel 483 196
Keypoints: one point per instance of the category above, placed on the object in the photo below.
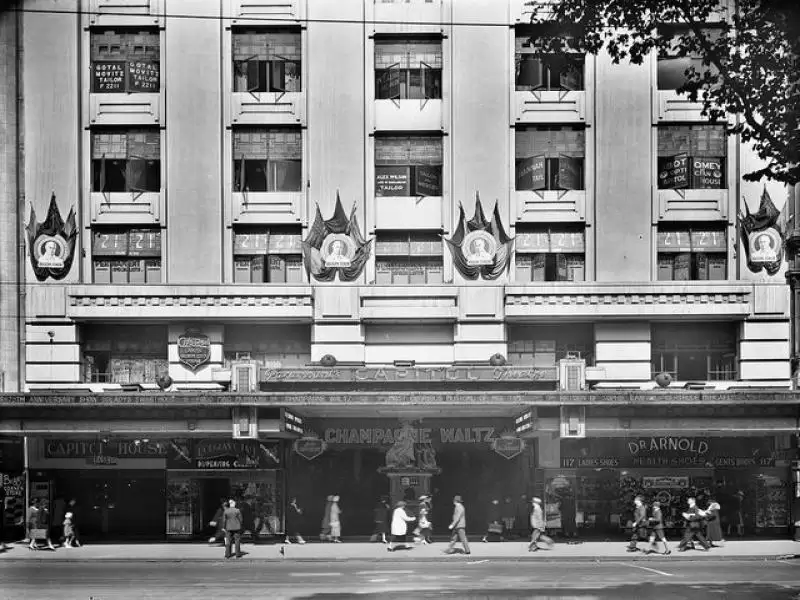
pixel 534 70
pixel 672 68
pixel 270 346
pixel 267 254
pixel 408 166
pixel 408 69
pixel 555 253
pixel 692 253
pixel 126 160
pixel 267 160
pixel 266 61
pixel 694 351
pixel 542 346
pixel 550 157
pixel 125 60
pixel 124 354
pixel 126 255
pixel 410 258
pixel 691 156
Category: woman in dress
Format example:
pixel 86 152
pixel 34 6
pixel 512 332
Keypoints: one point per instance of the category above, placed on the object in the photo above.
pixel 400 520
pixel 294 523
pixel 32 523
pixel 714 527
pixel 424 526
pixel 336 524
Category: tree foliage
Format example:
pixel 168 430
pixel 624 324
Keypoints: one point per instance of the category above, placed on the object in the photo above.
pixel 746 75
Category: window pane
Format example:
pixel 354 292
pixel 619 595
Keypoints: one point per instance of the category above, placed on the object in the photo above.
pixel 287 175
pixel 428 180
pixel 708 173
pixel 255 175
pixel 528 73
pixel 109 175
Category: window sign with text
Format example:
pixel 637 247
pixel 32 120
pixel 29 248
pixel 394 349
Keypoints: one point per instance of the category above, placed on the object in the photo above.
pixel 392 181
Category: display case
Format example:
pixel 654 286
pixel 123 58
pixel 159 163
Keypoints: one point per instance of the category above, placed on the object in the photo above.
pixel 182 498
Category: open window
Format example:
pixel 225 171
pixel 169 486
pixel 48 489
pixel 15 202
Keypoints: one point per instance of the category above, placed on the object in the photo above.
pixel 674 64
pixel 550 158
pixel 126 160
pixel 692 156
pixel 267 159
pixel 125 60
pixel 408 69
pixel 408 166
pixel 552 253
pixel 266 60
pixel 536 70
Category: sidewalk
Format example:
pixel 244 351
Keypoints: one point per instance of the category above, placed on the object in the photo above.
pixel 354 551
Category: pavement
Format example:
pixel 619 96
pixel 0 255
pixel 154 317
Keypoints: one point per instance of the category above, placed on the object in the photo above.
pixel 750 550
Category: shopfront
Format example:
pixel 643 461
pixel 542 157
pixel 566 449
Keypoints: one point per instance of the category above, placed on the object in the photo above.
pixel 362 459
pixel 593 491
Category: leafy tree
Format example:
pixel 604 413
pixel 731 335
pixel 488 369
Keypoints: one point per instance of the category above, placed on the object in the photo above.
pixel 747 61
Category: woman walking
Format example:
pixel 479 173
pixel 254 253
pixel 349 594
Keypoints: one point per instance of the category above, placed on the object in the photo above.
pixel 32 523
pixel 68 532
pixel 424 526
pixel 335 520
pixel 379 515
pixel 325 533
pixel 44 524
pixel 400 520
pixel 294 523
pixel 714 527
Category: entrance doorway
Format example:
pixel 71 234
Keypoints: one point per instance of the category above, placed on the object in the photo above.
pixel 212 493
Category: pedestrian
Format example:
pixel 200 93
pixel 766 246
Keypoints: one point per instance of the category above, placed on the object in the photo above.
pixel 336 522
pixel 400 520
pixel 72 506
pixel 538 526
pixel 325 532
pixel 508 517
pixel 458 526
pixel 68 532
pixel 693 529
pixel 495 527
pixel 713 525
pixel 294 523
pixel 32 523
pixel 232 528
pixel 639 524
pixel 379 514
pixel 56 523
pixel 656 522
pixel 44 523
pixel 424 525
pixel 216 522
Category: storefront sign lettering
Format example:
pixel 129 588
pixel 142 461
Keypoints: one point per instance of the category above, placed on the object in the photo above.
pixel 665 444
pixel 223 454
pixel 194 349
pixel 380 436
pixel 309 447
pixel 384 374
pixel 95 448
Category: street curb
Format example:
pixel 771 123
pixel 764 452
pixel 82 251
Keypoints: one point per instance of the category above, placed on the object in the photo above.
pixel 413 559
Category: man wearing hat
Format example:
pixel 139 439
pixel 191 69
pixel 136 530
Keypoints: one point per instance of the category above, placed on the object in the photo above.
pixel 538 525
pixel 459 527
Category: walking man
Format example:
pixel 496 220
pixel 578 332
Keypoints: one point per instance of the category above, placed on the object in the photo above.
pixel 695 523
pixel 232 528
pixel 538 525
pixel 639 526
pixel 657 529
pixel 459 527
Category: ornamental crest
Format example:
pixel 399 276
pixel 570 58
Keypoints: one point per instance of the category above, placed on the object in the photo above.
pixel 480 248
pixel 51 244
pixel 762 236
pixel 335 246
pixel 194 348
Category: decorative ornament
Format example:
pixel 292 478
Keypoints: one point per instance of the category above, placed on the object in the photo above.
pixel 663 379
pixel 310 446
pixel 335 246
pixel 762 236
pixel 164 381
pixel 497 360
pixel 194 348
pixel 329 360
pixel 480 247
pixel 508 445
pixel 51 244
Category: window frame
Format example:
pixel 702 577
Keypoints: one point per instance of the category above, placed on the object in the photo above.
pixel 127 65
pixel 547 167
pixel 264 70
pixel 125 168
pixel 692 251
pixel 120 260
pixel 264 171
pixel 551 260
pixel 395 81
pixel 267 253
pixel 418 173
pixel 426 263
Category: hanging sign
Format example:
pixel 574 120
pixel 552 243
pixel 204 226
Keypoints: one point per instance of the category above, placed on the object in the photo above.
pixel 194 349
pixel 508 446
pixel 309 446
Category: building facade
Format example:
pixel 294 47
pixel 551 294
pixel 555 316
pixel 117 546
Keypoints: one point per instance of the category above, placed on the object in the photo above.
pixel 356 247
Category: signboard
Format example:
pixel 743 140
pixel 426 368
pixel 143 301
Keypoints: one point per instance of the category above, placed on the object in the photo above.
pixel 708 240
pixel 110 243
pixel 392 181
pixel 309 447
pixel 667 451
pixel 144 242
pixel 673 172
pixel 251 243
pixel 531 173
pixel 108 76
pixel 228 454
pixel 428 180
pixel 665 482
pixel 143 76
pixel 460 374
pixel 91 448
pixel 706 173
pixel 508 446
pixel 194 349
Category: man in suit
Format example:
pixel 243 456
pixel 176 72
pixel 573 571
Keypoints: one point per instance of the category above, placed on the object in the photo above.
pixel 657 528
pixel 639 526
pixel 232 528
pixel 458 526
pixel 695 524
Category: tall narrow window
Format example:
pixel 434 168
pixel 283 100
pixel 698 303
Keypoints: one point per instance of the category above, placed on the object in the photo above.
pixel 556 253
pixel 126 160
pixel 267 160
pixel 697 252
pixel 266 60
pixel 408 166
pixel 125 61
pixel 408 258
pixel 550 157
pixel 408 69
pixel 126 255
pixel 267 254
pixel 692 156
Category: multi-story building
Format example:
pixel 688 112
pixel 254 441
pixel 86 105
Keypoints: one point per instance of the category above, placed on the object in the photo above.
pixel 212 322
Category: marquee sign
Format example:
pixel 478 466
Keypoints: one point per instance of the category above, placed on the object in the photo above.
pixel 51 244
pixel 335 246
pixel 480 248
pixel 456 374
pixel 762 238
pixel 194 349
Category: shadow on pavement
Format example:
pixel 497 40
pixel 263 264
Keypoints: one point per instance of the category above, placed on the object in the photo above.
pixel 635 591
